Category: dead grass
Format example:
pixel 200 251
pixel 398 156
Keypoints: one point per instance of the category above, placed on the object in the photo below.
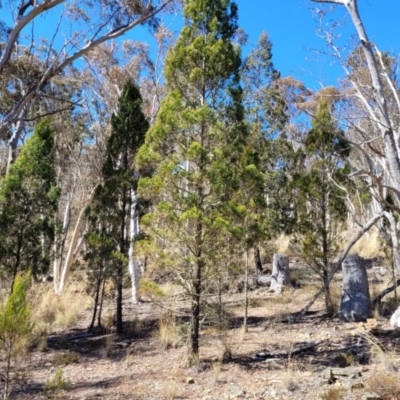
pixel 292 376
pixel 66 358
pixel 169 333
pixel 386 385
pixel 335 291
pixel 171 389
pixel 334 393
pixel 368 246
pixel 55 313
pixel 109 346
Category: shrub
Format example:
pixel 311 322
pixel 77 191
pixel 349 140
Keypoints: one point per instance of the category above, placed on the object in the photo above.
pixel 15 327
pixel 66 358
pixel 57 384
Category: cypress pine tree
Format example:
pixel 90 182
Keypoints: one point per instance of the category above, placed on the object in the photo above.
pixel 320 206
pixel 28 205
pixel 15 325
pixel 114 203
pixel 196 149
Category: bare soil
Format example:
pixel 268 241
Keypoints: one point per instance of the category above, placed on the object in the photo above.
pixel 265 363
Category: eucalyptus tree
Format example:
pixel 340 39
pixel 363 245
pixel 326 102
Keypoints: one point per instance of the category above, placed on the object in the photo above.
pixel 29 63
pixel 375 142
pixel 28 206
pixel 196 151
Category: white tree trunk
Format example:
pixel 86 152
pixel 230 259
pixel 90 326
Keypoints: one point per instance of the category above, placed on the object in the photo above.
pixel 280 273
pixel 395 240
pixel 28 12
pixel 59 243
pixel 355 303
pixel 73 247
pixel 133 232
pixel 376 106
pixel 395 319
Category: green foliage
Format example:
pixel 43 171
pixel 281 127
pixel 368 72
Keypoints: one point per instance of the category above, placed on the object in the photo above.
pixel 28 204
pixel 15 326
pixel 320 206
pixel 14 317
pixel 151 289
pixel 267 113
pixel 108 216
pixel 57 384
pixel 204 171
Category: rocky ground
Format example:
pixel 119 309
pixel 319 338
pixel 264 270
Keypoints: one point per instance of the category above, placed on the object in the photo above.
pixel 317 358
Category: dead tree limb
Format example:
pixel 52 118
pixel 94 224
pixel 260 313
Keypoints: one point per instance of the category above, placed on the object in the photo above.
pixel 385 292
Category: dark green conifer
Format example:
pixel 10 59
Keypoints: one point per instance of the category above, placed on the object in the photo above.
pixel 110 213
pixel 320 206
pixel 28 205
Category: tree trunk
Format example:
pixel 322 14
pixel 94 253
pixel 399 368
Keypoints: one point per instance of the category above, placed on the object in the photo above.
pixel 355 303
pixel 246 290
pixel 193 356
pixel 355 239
pixel 119 300
pixel 395 319
pixel 96 302
pixel 280 273
pixel 73 246
pixel 101 305
pixel 133 233
pixel 257 260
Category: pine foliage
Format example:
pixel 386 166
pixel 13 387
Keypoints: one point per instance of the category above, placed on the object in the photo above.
pixel 28 205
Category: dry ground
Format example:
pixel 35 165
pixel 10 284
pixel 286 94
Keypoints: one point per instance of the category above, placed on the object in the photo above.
pixel 262 363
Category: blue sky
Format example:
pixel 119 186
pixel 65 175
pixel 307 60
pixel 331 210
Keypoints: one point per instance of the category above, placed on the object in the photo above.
pixel 297 51
pixel 297 48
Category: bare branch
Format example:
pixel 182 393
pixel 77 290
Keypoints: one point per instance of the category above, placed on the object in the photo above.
pixel 148 13
pixel 341 2
pixel 21 22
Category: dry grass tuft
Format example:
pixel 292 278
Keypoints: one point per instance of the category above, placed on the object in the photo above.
pixel 54 313
pixel 171 389
pixel 129 356
pixel 368 246
pixel 379 355
pixel 169 333
pixel 334 393
pixel 292 376
pixel 56 385
pixel 66 358
pixel 335 292
pixel 109 345
pixel 386 385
